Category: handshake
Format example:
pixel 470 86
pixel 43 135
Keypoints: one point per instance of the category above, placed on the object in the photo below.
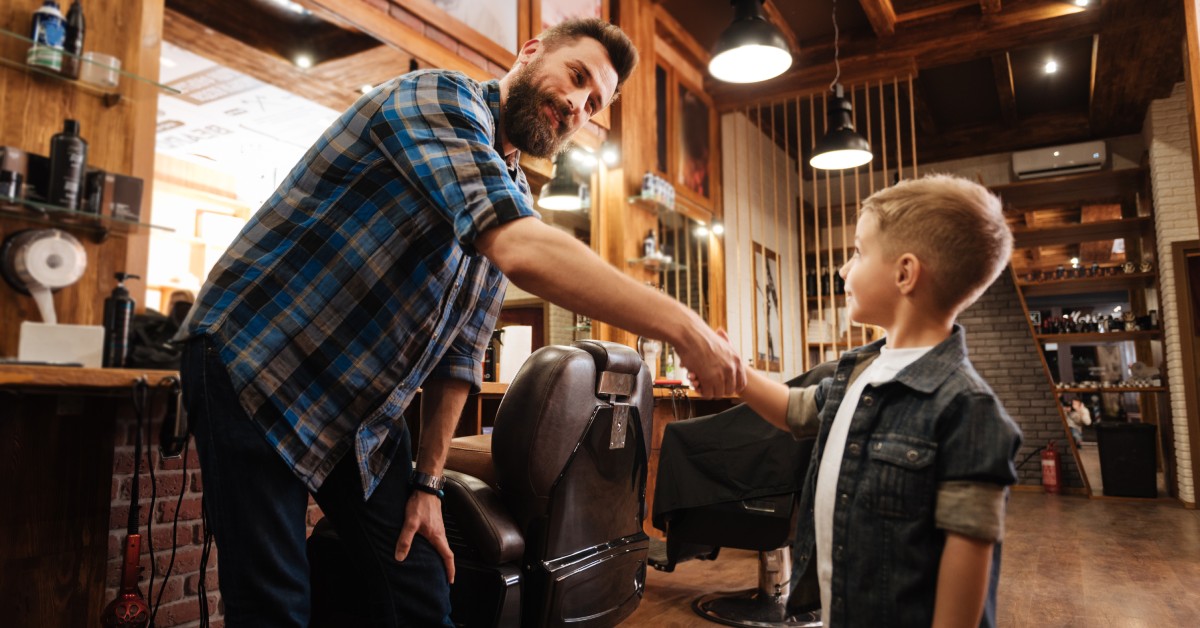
pixel 714 367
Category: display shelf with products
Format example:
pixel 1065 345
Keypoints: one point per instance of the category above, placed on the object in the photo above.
pixel 1083 266
pixel 110 92
pixel 66 218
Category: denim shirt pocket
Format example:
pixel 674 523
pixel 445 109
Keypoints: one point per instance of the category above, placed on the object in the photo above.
pixel 902 476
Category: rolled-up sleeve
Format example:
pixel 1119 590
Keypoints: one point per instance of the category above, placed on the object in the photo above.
pixel 439 134
pixel 463 360
pixel 976 451
pixel 803 411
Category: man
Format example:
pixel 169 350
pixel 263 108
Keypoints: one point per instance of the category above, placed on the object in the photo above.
pixel 377 267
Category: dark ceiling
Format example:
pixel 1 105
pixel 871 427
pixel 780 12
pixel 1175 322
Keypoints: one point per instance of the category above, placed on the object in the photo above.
pixel 980 84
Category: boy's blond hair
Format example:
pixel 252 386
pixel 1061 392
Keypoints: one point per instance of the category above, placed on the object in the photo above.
pixel 956 229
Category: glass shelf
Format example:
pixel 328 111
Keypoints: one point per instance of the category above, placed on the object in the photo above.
pixel 38 211
pixel 657 265
pixel 102 91
pixel 669 216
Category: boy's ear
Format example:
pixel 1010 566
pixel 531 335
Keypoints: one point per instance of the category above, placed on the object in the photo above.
pixel 908 272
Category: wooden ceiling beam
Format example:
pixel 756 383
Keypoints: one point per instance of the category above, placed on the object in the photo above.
pixel 331 84
pixel 776 17
pixel 1002 69
pixel 970 141
pixel 1119 101
pixel 953 40
pixel 882 16
pixel 989 6
pixel 816 80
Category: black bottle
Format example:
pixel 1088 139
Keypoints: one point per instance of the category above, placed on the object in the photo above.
pixel 118 311
pixel 68 161
pixel 810 283
pixel 74 42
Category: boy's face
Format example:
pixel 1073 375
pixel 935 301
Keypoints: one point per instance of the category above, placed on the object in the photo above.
pixel 870 275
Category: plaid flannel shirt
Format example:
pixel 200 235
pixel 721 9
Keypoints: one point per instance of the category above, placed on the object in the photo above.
pixel 358 279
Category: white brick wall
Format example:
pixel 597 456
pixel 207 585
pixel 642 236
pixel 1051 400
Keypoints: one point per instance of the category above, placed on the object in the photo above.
pixel 1167 135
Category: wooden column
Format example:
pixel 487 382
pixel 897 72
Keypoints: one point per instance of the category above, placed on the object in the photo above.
pixel 1192 77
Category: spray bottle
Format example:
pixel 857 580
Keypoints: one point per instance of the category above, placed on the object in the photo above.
pixel 118 312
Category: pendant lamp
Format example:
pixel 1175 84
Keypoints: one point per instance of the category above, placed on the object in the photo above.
pixel 562 193
pixel 751 49
pixel 842 147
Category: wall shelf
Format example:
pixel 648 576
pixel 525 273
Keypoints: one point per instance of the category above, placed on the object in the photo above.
pixel 1113 389
pixel 1083 232
pixel 64 218
pixel 1084 285
pixel 1111 336
pixel 110 95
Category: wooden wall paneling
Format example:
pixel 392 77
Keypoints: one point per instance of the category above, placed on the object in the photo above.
pixel 899 142
pixel 802 241
pixel 120 139
pixel 1186 284
pixel 1192 78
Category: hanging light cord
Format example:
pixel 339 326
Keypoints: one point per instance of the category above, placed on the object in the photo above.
pixel 837 67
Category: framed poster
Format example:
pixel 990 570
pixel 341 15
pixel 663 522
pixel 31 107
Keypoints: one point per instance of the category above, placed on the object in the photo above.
pixel 768 327
pixel 695 141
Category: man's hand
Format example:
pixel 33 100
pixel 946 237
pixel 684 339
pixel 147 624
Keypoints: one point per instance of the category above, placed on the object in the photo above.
pixel 423 515
pixel 716 370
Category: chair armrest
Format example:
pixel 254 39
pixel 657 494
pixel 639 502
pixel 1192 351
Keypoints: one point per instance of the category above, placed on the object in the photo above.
pixel 478 525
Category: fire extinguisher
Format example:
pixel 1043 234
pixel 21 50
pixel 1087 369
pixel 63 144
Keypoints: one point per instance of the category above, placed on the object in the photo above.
pixel 1051 471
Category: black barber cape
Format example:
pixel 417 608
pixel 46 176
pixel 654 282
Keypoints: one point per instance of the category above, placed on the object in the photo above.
pixel 729 456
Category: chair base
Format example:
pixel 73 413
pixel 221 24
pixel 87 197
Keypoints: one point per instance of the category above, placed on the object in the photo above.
pixel 751 608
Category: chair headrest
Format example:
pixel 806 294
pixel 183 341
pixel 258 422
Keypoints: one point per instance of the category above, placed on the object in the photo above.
pixel 617 366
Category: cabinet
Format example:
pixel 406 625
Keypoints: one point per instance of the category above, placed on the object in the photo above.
pixel 1085 270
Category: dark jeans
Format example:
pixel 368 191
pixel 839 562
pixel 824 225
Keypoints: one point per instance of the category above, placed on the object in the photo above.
pixel 256 508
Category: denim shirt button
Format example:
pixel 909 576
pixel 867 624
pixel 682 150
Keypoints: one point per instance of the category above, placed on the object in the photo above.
pixel 868 400
pixel 912 455
pixel 844 497
pixel 877 446
pixel 841 377
pixel 853 448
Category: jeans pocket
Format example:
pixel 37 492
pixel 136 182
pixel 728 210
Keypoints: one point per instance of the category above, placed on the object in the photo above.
pixel 902 476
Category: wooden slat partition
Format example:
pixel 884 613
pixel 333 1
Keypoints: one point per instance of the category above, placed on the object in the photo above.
pixel 820 241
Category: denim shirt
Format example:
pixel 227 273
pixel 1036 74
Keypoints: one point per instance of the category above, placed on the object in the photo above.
pixel 936 424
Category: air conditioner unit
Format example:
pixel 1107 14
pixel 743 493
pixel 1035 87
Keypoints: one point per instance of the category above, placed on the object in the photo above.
pixel 1059 160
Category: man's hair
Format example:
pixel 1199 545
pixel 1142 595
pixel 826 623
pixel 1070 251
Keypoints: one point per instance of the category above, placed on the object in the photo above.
pixel 956 229
pixel 621 52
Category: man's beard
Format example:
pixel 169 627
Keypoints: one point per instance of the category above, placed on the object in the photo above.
pixel 524 119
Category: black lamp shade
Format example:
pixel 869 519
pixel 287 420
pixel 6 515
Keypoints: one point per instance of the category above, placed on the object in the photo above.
pixel 751 49
pixel 562 193
pixel 842 147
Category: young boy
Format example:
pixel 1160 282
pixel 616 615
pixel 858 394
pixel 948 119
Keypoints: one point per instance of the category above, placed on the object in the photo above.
pixel 914 453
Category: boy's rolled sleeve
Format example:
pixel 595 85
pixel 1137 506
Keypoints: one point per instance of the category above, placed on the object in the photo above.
pixel 975 467
pixel 804 409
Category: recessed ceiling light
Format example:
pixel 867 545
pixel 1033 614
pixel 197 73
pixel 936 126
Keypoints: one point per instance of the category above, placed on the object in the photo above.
pixel 303 62
pixel 1056 153
pixel 1081 3
pixel 1051 67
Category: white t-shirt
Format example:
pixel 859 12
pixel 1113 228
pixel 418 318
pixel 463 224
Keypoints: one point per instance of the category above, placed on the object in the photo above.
pixel 882 369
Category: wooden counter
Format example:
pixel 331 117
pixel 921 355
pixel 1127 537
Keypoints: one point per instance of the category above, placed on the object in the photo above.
pixel 74 377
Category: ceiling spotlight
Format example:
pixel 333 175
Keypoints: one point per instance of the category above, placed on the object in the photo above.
pixel 303 62
pixel 718 228
pixel 1051 67
pixel 1082 3
pixel 366 89
pixel 751 49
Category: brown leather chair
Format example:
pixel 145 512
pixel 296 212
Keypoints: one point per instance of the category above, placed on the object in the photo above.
pixel 544 515
pixel 559 515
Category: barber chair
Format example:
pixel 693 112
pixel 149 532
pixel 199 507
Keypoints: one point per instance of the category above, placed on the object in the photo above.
pixel 729 480
pixel 544 514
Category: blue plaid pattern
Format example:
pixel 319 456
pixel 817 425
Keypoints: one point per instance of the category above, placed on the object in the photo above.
pixel 357 279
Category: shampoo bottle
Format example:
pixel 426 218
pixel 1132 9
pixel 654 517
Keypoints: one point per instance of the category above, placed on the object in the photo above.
pixel 74 41
pixel 118 312
pixel 68 160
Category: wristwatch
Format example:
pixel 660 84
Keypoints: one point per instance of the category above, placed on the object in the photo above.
pixel 428 483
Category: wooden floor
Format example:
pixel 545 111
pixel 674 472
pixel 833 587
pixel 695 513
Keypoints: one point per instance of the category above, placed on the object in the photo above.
pixel 1068 561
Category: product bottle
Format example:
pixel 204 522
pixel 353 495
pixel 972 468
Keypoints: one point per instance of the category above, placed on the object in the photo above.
pixel 48 32
pixel 68 160
pixel 74 41
pixel 118 311
pixel 649 245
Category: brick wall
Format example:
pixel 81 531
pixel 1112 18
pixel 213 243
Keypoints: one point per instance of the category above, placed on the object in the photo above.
pixel 1003 351
pixel 1171 175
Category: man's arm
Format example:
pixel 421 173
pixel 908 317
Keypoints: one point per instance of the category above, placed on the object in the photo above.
pixel 560 269
pixel 442 401
pixel 962 582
